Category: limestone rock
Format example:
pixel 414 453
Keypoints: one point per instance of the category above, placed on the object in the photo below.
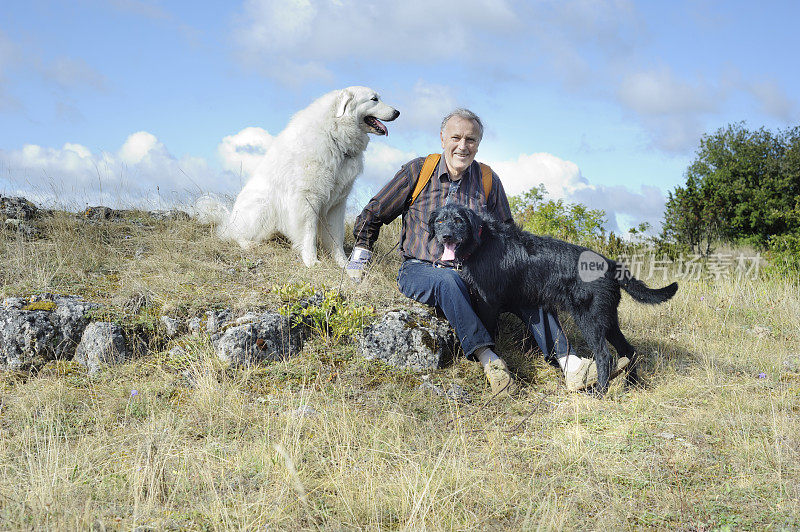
pixel 171 326
pixel 270 337
pixel 102 344
pixel 39 329
pixel 17 208
pixel 215 319
pixel 411 339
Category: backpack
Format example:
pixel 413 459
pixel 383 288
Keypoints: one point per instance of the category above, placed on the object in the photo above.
pixel 430 165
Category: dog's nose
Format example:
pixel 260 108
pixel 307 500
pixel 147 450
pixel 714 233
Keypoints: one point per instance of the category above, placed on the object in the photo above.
pixel 396 114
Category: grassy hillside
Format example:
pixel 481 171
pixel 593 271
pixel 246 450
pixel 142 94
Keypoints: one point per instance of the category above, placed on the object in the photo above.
pixel 328 440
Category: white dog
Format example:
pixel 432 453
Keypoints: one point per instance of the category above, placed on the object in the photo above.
pixel 301 186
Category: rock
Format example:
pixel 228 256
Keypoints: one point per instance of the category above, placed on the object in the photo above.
pixel 26 230
pixel 102 344
pixel 247 318
pixel 17 208
pixel 270 337
pixel 409 339
pixel 100 213
pixel 195 325
pixel 170 215
pixel 171 326
pixel 216 319
pixel 454 391
pixel 177 352
pixel 36 330
pixel 457 393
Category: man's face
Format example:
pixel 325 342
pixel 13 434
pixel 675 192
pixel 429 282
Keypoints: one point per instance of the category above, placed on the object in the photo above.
pixel 460 139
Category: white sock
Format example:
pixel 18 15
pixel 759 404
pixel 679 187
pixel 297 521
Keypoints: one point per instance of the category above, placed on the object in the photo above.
pixel 569 363
pixel 486 356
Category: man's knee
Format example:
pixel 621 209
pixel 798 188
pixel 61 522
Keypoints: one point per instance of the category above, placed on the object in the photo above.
pixel 448 284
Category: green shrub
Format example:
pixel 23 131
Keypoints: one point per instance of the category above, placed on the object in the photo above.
pixel 783 254
pixel 573 222
pixel 326 312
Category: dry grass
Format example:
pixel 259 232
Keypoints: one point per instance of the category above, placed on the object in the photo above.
pixel 332 441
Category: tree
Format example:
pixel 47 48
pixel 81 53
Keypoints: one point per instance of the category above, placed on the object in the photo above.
pixel 574 222
pixel 743 187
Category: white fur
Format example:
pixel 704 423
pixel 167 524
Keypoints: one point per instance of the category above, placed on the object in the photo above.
pixel 301 186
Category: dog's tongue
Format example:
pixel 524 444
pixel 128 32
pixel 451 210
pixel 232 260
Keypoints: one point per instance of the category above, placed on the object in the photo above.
pixel 374 122
pixel 449 252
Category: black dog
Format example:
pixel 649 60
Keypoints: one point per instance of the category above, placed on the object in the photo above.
pixel 509 269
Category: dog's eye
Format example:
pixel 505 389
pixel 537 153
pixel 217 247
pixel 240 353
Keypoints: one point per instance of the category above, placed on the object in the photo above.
pixel 374 98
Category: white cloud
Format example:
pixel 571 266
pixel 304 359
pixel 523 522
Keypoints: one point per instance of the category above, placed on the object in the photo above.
pixel 670 108
pixel 304 37
pixel 660 92
pixel 142 173
pixel 624 207
pixel 563 180
pixel 141 145
pixel 425 105
pixel 381 163
pixel 242 153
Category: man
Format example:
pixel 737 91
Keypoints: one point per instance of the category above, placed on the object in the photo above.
pixel 425 277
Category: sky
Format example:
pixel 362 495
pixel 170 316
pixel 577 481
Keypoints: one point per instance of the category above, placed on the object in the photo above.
pixel 148 103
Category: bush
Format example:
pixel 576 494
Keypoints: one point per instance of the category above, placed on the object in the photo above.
pixel 575 223
pixel 326 312
pixel 783 254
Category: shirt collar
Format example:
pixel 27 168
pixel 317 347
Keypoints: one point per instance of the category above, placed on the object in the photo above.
pixel 442 170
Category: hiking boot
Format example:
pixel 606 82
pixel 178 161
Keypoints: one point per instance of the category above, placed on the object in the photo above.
pixel 500 378
pixel 586 375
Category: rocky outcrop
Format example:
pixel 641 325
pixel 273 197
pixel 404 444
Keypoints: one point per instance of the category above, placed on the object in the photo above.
pixel 14 208
pixel 101 212
pixel 102 343
pixel 411 339
pixel 269 337
pixel 17 214
pixel 39 329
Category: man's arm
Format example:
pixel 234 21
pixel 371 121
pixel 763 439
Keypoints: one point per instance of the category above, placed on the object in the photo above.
pixel 387 205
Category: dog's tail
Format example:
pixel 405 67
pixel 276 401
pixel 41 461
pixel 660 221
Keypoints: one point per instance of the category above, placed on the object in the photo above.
pixel 210 209
pixel 640 291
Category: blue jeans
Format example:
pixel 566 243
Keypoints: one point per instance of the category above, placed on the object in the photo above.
pixel 444 289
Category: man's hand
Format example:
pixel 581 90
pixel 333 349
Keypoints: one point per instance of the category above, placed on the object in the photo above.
pixel 359 259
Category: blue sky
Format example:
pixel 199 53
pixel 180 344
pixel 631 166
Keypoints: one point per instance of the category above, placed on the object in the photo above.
pixel 148 103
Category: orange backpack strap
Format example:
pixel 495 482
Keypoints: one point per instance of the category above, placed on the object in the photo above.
pixel 430 165
pixel 486 175
pixel 425 174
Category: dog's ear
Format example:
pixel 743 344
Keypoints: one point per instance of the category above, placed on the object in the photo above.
pixel 432 223
pixel 475 223
pixel 345 97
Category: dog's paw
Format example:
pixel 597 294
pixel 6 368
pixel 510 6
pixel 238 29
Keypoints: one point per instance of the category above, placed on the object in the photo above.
pixel 310 262
pixel 341 260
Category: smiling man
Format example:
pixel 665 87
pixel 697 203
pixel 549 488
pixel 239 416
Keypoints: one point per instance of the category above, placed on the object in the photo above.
pixel 429 273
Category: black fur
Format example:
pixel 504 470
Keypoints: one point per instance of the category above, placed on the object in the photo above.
pixel 509 268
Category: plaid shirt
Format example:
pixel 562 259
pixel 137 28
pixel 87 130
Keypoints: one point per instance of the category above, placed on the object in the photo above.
pixel 394 198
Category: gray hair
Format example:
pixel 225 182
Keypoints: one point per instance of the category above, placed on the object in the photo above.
pixel 467 114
